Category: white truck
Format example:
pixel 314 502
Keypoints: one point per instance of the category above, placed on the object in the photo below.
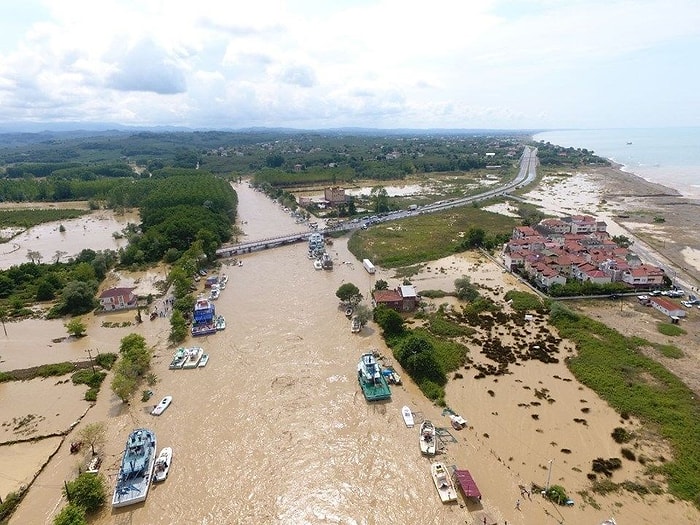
pixel 368 265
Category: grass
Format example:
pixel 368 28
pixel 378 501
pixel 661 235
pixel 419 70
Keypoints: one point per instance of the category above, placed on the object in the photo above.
pixel 613 366
pixel 27 218
pixel 671 330
pixel 426 237
pixel 670 351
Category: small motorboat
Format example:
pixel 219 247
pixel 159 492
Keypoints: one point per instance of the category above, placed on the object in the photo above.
pixel 203 361
pixel 427 438
pixel 458 422
pixel 443 482
pixel 160 407
pixel 162 466
pixel 407 416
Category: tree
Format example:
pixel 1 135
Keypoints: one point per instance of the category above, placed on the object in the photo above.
pixel 3 316
pixel 349 293
pixel 381 284
pixel 178 327
pixel 78 297
pixel 94 435
pixel 76 327
pixel 124 386
pixel 390 320
pixel 59 255
pixel 363 314
pixel 71 515
pixel 380 198
pixel 465 290
pixel 87 491
pixel 34 256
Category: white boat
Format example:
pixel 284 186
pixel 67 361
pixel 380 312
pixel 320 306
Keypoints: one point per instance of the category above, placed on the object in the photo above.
pixel 194 354
pixel 407 416
pixel 220 322
pixel 160 407
pixel 428 445
pixel 317 264
pixel 203 361
pixel 136 468
pixel 443 482
pixel 458 422
pixel 162 466
pixel 214 294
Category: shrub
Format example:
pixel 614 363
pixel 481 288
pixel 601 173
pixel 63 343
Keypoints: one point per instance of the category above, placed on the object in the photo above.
pixel 55 369
pixel 670 329
pixel 71 515
pixel 87 491
pixel 106 360
pixel 628 454
pixel 621 435
pixel 557 494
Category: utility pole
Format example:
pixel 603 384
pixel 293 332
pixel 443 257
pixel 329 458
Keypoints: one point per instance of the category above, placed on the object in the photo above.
pixel 92 363
pixel 549 476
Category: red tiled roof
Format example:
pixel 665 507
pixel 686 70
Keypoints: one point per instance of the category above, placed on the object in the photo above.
pixel 116 292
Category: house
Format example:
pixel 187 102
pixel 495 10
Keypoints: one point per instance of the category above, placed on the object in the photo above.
pixel 334 196
pixel 117 299
pixel 402 299
pixel 667 307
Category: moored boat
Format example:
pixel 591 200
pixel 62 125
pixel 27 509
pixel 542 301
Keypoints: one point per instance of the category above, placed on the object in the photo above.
pixel 160 407
pixel 194 354
pixel 407 416
pixel 203 361
pixel 220 323
pixel 162 465
pixel 443 482
pixel 136 468
pixel 179 359
pixel 427 439
pixel 372 381
pixel 317 264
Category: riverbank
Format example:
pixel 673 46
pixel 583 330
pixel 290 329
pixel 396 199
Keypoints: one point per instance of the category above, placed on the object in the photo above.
pixel 275 430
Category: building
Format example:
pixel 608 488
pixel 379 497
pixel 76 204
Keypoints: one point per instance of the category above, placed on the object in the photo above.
pixel 667 307
pixel 335 196
pixel 402 299
pixel 117 299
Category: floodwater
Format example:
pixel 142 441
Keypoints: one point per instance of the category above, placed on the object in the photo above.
pixel 92 231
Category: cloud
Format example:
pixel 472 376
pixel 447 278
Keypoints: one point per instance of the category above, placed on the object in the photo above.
pixel 302 76
pixel 147 67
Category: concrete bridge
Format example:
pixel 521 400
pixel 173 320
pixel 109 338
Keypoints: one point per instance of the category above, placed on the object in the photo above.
pixel 271 242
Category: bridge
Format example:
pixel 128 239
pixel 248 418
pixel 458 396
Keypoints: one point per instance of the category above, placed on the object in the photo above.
pixel 526 174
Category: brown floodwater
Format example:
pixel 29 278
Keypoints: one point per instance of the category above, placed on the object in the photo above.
pixel 92 231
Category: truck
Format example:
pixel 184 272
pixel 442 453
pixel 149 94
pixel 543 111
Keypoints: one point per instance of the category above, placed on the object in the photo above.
pixel 413 207
pixel 368 266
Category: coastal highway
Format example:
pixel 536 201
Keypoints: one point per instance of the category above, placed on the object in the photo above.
pixel 526 174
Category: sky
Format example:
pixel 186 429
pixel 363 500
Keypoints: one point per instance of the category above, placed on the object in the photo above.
pixel 318 64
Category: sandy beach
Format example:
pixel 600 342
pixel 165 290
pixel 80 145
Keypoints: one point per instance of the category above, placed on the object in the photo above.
pixel 275 430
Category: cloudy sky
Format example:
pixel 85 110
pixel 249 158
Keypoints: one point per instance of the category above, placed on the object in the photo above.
pixel 507 64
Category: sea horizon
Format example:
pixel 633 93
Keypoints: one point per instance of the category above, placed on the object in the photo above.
pixel 667 156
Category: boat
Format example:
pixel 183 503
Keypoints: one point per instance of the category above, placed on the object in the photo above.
pixel 317 264
pixel 160 407
pixel 203 361
pixel 458 422
pixel 220 323
pixel 162 466
pixel 136 468
pixel 326 262
pixel 392 377
pixel 179 358
pixel 355 327
pixel 203 314
pixel 372 381
pixel 443 482
pixel 427 439
pixel 407 416
pixel 194 354
pixel 93 467
pixel 214 294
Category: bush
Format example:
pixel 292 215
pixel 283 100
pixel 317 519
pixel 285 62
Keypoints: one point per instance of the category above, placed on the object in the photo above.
pixel 55 369
pixel 8 506
pixel 71 515
pixel 669 329
pixel 621 435
pixel 87 491
pixel 106 360
pixel 628 454
pixel 557 494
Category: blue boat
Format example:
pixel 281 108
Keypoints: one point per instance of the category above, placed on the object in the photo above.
pixel 136 468
pixel 372 381
pixel 204 317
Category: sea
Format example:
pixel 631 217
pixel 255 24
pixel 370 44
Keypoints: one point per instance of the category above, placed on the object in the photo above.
pixel 668 156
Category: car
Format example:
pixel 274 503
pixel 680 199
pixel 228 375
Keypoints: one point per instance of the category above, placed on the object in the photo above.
pixel 675 293
pixel 656 292
pixel 202 272
pixel 687 304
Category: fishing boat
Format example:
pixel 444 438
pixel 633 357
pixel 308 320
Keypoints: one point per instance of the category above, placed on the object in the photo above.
pixel 407 416
pixel 194 354
pixel 427 439
pixel 203 361
pixel 162 466
pixel 179 358
pixel 443 482
pixel 372 381
pixel 160 407
pixel 136 468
